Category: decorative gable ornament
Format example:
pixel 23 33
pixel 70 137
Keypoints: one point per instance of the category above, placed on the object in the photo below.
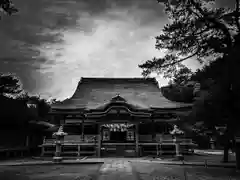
pixel 118 98
pixel 118 127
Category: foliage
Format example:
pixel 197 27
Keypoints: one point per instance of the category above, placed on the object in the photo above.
pixel 180 88
pixel 13 102
pixel 178 93
pixel 199 31
pixel 195 30
pixel 181 76
pixel 210 106
pixel 42 106
pixel 12 111
pixel 214 99
pixel 7 7
pixel 10 85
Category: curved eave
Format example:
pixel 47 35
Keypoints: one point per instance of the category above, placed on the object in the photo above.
pixel 76 111
pixel 104 113
pixel 68 109
pixel 182 107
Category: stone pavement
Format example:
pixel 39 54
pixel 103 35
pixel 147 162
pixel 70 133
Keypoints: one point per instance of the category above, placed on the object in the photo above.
pixel 49 162
pixel 116 170
pixel 199 162
pixel 211 152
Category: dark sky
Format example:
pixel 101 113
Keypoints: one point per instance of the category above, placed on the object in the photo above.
pixel 51 44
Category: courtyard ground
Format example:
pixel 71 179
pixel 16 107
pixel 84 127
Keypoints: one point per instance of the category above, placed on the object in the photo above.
pixel 154 171
pixel 201 157
pixel 116 169
pixel 49 172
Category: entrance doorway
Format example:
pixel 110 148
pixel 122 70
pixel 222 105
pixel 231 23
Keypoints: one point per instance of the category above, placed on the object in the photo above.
pixel 118 136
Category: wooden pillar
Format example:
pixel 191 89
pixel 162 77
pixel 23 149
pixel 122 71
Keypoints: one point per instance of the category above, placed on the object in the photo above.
pixel 99 141
pixel 27 141
pixel 153 130
pixel 62 120
pixel 79 150
pixel 82 130
pixel 136 139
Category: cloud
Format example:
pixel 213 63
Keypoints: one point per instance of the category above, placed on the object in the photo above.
pixel 52 44
pixel 23 33
pixel 109 44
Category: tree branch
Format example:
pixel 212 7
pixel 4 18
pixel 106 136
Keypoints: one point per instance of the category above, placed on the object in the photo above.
pixel 217 24
pixel 180 60
pixel 237 15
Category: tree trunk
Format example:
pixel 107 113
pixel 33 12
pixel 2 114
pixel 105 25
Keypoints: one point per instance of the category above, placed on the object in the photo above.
pixel 233 64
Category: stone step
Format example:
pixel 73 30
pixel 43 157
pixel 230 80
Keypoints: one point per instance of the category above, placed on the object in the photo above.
pixel 116 169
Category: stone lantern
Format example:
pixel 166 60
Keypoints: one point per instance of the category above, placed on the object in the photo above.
pixel 59 136
pixel 176 132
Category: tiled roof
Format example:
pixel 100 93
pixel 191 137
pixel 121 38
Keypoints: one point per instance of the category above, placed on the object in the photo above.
pixel 140 92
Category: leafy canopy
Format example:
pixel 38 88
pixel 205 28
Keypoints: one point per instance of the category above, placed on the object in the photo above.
pixel 10 85
pixel 7 7
pixel 196 29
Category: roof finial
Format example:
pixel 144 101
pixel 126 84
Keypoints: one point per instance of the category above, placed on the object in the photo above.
pixel 118 98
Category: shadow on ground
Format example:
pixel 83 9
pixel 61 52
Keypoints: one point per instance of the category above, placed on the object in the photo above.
pixel 49 172
pixel 167 172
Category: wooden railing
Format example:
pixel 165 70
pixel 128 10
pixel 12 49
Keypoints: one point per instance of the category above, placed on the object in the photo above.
pixel 163 139
pixel 75 144
pixel 72 144
pixel 93 138
pixel 73 139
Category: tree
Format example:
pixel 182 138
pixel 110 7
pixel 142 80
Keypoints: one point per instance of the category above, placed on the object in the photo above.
pixel 182 76
pixel 41 106
pixel 204 33
pixel 195 31
pixel 12 111
pixel 178 93
pixel 212 103
pixel 7 7
pixel 10 85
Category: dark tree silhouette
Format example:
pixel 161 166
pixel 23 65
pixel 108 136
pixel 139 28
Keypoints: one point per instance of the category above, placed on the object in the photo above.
pixel 201 32
pixel 195 31
pixel 7 7
pixel 42 106
pixel 10 85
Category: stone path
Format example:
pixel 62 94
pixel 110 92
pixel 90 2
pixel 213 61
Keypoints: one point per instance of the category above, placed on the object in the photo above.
pixel 116 170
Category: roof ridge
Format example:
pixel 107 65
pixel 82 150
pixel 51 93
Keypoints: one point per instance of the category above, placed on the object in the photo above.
pixel 116 78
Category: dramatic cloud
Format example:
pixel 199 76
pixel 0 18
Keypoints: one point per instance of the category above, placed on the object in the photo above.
pixel 50 45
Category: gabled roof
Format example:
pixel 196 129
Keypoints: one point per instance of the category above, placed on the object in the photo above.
pixel 142 93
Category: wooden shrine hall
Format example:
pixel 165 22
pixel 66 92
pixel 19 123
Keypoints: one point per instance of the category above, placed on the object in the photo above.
pixel 117 117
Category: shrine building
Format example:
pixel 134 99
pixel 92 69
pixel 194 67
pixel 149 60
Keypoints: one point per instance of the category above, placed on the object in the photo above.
pixel 117 117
